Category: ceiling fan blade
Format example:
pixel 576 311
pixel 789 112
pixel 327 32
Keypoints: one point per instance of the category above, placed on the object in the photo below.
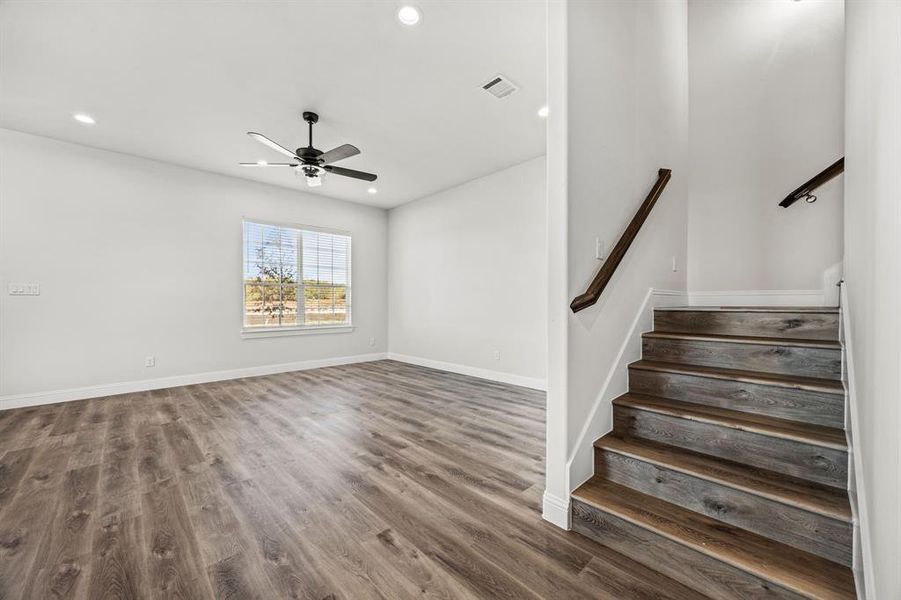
pixel 339 153
pixel 350 173
pixel 268 164
pixel 263 139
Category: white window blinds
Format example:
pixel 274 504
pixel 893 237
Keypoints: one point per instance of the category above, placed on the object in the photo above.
pixel 295 278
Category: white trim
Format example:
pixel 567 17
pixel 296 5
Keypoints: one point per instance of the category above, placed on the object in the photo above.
pixel 252 334
pixel 557 270
pixel 126 387
pixel 580 464
pixel 757 298
pixel 555 510
pixel 864 551
pixel 520 380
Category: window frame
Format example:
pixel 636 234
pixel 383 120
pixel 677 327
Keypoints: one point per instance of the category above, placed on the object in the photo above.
pixel 289 330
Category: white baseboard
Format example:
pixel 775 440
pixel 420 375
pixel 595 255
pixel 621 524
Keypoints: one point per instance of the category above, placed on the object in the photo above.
pixel 555 510
pixel 126 387
pixel 520 380
pixel 580 464
pixel 757 298
pixel 863 559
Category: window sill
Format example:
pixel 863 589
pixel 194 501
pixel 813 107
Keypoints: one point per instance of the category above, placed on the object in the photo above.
pixel 252 334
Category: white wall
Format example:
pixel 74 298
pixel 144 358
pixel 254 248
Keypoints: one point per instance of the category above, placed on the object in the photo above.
pixel 136 257
pixel 467 276
pixel 627 115
pixel 767 113
pixel 873 277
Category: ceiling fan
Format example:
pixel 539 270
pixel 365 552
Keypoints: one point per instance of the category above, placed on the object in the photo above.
pixel 312 163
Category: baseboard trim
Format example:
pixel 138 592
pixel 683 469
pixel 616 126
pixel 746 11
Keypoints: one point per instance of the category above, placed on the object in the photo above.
pixel 863 558
pixel 555 510
pixel 520 380
pixel 757 298
pixel 127 387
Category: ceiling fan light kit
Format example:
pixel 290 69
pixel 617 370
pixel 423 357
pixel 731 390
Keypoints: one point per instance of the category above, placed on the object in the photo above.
pixel 312 163
pixel 313 175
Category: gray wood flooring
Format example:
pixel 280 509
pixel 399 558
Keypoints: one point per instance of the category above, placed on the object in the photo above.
pixel 376 480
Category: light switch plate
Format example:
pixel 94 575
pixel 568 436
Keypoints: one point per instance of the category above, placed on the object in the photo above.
pixel 24 289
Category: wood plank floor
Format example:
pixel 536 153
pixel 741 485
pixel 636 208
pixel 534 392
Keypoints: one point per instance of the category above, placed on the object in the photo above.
pixel 375 480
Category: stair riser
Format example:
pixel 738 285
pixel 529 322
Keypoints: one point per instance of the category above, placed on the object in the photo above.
pixel 787 360
pixel 801 326
pixel 814 463
pixel 796 527
pixel 698 571
pixel 775 401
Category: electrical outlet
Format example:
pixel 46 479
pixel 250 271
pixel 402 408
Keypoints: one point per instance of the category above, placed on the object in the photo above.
pixel 24 289
pixel 149 361
pixel 599 249
pixel 372 341
pixel 497 355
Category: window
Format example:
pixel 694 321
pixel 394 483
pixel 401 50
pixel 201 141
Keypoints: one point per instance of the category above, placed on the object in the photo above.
pixel 295 278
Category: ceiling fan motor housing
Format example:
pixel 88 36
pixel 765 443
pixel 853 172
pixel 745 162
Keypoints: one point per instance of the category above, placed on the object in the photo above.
pixel 308 154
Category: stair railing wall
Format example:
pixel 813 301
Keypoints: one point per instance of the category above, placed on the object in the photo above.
pixel 605 273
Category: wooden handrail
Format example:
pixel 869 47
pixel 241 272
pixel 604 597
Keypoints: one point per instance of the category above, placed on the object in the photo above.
pixel 605 274
pixel 813 183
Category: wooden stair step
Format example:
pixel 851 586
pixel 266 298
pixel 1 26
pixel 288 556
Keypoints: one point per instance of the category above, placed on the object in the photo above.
pixel 797 382
pixel 799 572
pixel 816 435
pixel 762 309
pixel 783 323
pixel 745 339
pixel 788 356
pixel 790 397
pixel 807 451
pixel 762 502
pixel 823 500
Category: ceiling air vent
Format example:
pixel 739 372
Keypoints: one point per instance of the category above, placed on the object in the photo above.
pixel 499 86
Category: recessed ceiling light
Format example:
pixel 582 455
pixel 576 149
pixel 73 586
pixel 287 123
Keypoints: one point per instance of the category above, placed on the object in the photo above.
pixel 542 112
pixel 409 15
pixel 262 163
pixel 83 118
pixel 372 190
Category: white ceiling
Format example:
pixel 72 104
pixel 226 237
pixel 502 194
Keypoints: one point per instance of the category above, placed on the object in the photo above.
pixel 183 81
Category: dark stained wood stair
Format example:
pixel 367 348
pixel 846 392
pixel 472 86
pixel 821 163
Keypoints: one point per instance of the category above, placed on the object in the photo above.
pixel 727 466
pixel 813 358
pixel 805 399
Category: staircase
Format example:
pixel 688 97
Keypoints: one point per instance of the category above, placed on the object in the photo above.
pixel 727 466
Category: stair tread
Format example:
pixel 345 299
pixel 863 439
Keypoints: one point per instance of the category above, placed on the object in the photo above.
pixel 780 564
pixel 762 309
pixel 813 497
pixel 818 435
pixel 744 339
pixel 813 384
